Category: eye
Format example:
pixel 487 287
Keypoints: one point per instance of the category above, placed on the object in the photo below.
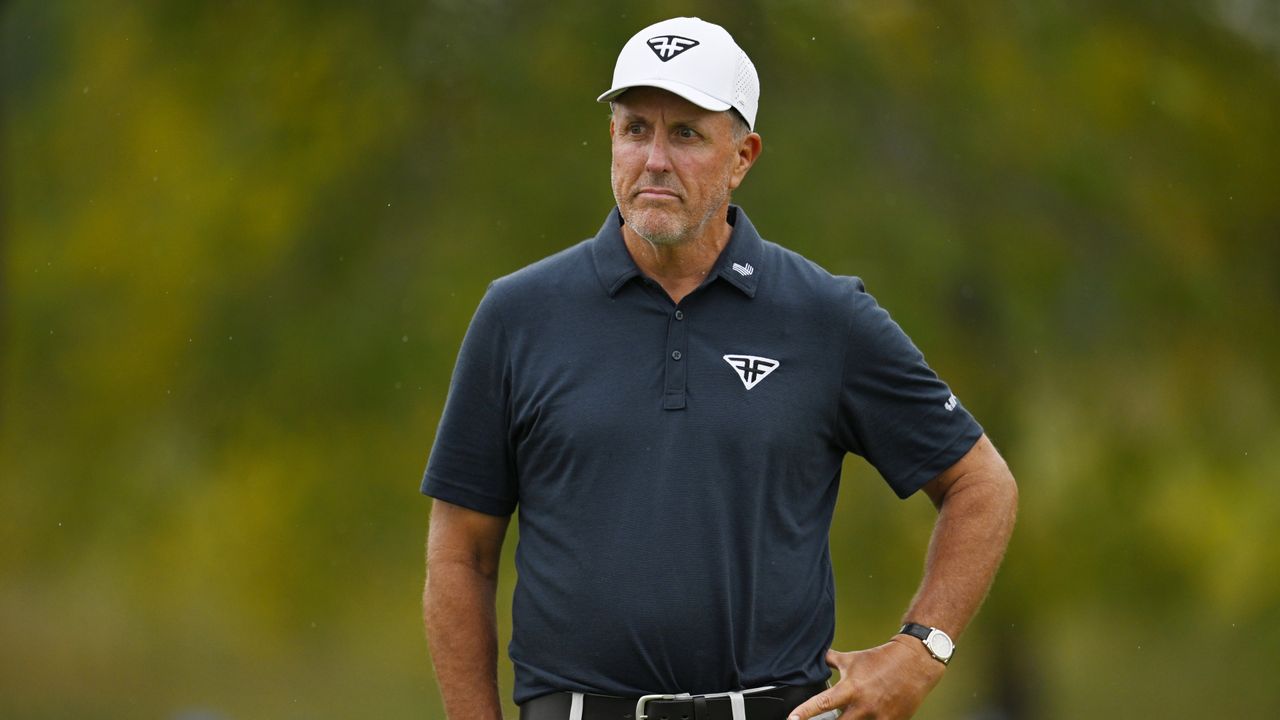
pixel 687 133
pixel 635 128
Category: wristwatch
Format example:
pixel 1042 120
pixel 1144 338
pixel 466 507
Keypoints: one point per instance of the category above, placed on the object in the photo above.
pixel 937 642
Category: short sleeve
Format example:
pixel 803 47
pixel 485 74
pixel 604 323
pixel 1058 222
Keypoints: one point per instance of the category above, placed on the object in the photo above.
pixel 894 410
pixel 471 460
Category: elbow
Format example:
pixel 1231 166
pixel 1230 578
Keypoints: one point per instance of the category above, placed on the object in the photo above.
pixel 1002 488
pixel 1010 487
pixel 1001 498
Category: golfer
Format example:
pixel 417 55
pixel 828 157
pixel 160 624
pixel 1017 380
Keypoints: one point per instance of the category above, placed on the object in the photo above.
pixel 667 406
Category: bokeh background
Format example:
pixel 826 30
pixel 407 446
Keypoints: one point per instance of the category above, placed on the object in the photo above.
pixel 241 242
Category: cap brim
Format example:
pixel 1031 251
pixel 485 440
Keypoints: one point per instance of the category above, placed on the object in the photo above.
pixel 697 97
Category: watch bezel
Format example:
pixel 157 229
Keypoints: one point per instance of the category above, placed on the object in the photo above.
pixel 940 645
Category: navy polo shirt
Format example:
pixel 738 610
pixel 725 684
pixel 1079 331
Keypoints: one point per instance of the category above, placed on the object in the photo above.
pixel 675 466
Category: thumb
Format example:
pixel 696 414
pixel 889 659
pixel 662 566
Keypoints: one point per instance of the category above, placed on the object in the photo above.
pixel 824 703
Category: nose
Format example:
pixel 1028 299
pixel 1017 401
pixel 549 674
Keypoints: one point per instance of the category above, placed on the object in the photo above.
pixel 659 160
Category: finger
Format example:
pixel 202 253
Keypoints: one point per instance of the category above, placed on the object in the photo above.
pixel 838 660
pixel 824 702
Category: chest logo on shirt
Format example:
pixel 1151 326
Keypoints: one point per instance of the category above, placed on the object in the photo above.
pixel 751 369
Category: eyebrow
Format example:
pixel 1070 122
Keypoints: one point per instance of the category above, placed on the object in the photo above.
pixel 626 117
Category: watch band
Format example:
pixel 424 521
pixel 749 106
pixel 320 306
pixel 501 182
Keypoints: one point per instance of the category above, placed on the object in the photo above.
pixel 916 630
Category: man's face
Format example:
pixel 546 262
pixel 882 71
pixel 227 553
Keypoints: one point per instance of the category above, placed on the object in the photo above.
pixel 674 164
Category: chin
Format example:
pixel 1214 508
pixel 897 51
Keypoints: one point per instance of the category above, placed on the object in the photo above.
pixel 656 226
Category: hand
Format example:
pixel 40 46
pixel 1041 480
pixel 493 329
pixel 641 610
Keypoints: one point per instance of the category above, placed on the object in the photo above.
pixel 884 683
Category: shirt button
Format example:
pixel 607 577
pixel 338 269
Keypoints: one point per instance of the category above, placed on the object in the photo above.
pixel 679 314
pixel 675 355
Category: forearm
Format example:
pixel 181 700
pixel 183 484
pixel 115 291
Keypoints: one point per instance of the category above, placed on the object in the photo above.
pixel 975 521
pixel 458 608
pixel 977 501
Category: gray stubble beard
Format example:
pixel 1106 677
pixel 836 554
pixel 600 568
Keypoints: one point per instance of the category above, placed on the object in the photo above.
pixel 670 239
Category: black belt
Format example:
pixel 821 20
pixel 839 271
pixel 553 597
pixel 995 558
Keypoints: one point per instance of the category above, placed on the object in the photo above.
pixel 763 705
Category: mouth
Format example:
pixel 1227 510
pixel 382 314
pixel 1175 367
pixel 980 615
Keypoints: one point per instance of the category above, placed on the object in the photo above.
pixel 656 193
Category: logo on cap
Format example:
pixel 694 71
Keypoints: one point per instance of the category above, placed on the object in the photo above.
pixel 669 46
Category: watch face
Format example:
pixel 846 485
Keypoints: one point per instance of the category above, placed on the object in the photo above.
pixel 940 644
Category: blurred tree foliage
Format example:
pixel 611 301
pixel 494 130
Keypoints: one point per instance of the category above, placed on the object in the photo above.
pixel 241 242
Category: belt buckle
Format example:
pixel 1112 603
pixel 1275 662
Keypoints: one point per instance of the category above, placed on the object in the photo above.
pixel 645 700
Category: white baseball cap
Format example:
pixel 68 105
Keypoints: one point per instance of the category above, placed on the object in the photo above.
pixel 694 59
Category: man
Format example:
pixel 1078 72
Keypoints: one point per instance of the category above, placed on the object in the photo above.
pixel 668 405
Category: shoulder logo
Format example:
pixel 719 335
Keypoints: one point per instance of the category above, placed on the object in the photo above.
pixel 951 403
pixel 743 270
pixel 751 369
pixel 669 46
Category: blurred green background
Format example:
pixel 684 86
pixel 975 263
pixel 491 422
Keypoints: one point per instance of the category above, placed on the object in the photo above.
pixel 241 242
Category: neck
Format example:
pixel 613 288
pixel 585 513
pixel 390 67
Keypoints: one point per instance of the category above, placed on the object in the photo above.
pixel 680 267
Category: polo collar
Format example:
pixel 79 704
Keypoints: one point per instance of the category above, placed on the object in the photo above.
pixel 739 263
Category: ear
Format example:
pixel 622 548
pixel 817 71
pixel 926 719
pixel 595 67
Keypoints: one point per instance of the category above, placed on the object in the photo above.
pixel 748 152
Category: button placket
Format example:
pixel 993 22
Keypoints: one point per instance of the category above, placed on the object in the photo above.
pixel 674 387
